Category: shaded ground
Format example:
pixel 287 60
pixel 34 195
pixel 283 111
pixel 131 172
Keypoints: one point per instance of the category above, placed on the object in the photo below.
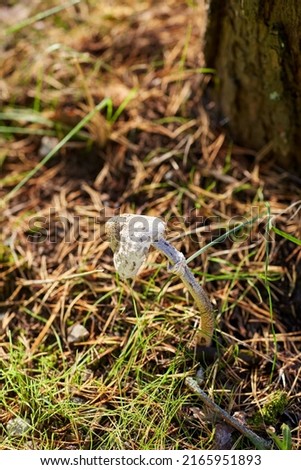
pixel 122 385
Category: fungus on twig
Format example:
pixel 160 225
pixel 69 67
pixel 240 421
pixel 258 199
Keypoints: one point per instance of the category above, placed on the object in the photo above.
pixel 130 238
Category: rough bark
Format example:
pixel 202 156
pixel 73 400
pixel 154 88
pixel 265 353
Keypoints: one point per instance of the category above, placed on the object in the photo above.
pixel 254 45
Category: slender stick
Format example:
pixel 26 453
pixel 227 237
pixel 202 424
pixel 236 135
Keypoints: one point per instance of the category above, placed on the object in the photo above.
pixel 259 442
pixel 179 267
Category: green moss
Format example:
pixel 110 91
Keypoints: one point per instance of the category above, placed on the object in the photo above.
pixel 5 254
pixel 272 409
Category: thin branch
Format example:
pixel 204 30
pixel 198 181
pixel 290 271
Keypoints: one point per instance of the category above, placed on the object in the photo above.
pixel 258 442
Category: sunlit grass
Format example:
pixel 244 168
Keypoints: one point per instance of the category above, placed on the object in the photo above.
pixel 123 387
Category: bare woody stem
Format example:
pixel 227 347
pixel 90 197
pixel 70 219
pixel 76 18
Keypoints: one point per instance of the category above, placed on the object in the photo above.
pixel 179 267
pixel 258 441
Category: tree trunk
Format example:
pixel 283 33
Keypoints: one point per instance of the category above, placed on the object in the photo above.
pixel 254 45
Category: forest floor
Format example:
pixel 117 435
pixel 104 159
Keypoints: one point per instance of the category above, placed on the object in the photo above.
pixel 118 382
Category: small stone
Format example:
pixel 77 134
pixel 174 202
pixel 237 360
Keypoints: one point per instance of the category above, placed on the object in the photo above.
pixel 77 333
pixel 17 426
pixel 47 144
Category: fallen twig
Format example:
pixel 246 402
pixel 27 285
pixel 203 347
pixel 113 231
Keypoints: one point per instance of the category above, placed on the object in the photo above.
pixel 259 442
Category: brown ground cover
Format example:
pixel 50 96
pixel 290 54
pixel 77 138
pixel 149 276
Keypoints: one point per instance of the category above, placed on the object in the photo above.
pixel 151 150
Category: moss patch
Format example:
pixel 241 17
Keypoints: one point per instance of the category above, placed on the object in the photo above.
pixel 272 409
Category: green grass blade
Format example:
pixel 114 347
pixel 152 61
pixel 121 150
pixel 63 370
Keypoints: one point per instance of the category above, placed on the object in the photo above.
pixel 40 16
pixel 206 70
pixel 53 151
pixel 287 437
pixel 286 442
pixel 286 235
pixel 26 115
pixel 222 238
pixel 25 130
pixel 123 105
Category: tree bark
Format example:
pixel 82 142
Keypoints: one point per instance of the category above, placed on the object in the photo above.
pixel 254 45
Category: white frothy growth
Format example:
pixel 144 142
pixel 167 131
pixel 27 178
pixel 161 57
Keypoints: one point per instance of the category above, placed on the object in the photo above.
pixel 136 235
